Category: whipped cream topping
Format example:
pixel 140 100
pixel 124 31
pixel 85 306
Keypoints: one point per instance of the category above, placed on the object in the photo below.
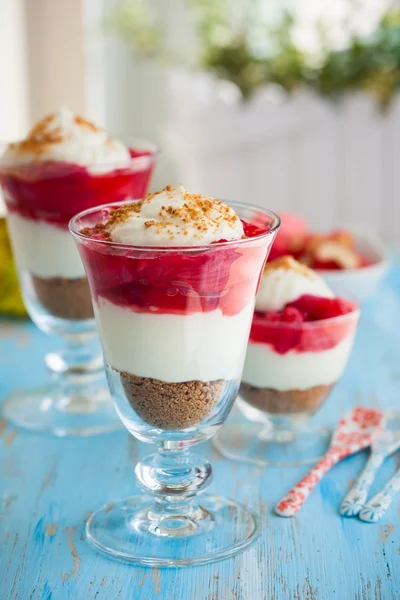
pixel 284 280
pixel 174 218
pixel 63 136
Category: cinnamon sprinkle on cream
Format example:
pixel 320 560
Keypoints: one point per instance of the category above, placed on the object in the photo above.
pixel 44 135
pixel 65 137
pixel 288 263
pixel 173 214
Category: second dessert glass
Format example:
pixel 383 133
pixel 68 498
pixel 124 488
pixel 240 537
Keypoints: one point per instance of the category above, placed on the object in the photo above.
pixel 41 198
pixel 174 324
pixel 290 370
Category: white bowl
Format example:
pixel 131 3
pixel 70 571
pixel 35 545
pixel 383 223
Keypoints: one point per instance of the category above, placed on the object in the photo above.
pixel 364 281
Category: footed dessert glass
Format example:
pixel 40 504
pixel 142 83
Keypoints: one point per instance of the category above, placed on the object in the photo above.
pixel 290 370
pixel 174 324
pixel 41 198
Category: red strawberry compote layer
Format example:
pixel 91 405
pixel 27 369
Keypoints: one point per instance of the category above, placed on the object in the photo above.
pixel 300 340
pixel 65 165
pixel 176 316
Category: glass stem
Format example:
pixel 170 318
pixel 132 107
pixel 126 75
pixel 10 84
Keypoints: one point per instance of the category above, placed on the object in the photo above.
pixel 76 366
pixel 81 355
pixel 173 476
pixel 286 428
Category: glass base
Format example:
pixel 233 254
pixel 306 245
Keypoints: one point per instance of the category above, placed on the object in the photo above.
pixel 46 411
pixel 132 531
pixel 259 444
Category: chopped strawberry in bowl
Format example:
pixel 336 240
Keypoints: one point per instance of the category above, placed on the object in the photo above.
pixel 352 260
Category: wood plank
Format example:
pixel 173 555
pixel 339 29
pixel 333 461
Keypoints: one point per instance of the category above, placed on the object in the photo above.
pixel 49 486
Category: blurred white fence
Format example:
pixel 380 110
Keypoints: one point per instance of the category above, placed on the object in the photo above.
pixel 332 163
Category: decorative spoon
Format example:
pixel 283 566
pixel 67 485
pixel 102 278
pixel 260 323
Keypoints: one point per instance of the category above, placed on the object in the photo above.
pixel 355 431
pixel 384 445
pixel 378 505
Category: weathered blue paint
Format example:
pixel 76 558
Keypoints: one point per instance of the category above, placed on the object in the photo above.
pixel 49 486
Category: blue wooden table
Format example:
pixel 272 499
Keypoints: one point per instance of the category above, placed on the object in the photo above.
pixel 48 487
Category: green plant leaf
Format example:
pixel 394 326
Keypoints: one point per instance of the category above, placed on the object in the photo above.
pixel 227 50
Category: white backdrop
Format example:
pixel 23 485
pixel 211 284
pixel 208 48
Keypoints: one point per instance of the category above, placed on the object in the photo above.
pixel 14 110
pixel 331 163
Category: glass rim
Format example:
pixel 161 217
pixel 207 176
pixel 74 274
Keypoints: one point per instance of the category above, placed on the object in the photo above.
pixel 355 313
pixel 133 143
pixel 231 243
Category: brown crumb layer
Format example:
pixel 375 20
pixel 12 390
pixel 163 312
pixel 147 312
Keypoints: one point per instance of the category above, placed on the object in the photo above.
pixel 286 402
pixel 171 405
pixel 64 298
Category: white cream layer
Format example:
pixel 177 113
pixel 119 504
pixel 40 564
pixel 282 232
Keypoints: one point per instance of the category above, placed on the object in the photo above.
pixel 173 348
pixel 266 368
pixel 44 250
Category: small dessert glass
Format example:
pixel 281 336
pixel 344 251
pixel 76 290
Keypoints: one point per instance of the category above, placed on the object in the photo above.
pixel 164 314
pixel 279 395
pixel 41 198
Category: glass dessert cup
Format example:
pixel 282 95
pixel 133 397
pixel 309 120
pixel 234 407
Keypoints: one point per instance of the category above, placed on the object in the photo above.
pixel 282 389
pixel 174 324
pixel 41 198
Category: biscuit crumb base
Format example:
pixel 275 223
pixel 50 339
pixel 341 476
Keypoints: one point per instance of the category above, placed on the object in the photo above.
pixel 171 406
pixel 287 402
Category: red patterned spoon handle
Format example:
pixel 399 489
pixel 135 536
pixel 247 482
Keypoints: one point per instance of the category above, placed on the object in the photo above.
pixel 294 500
